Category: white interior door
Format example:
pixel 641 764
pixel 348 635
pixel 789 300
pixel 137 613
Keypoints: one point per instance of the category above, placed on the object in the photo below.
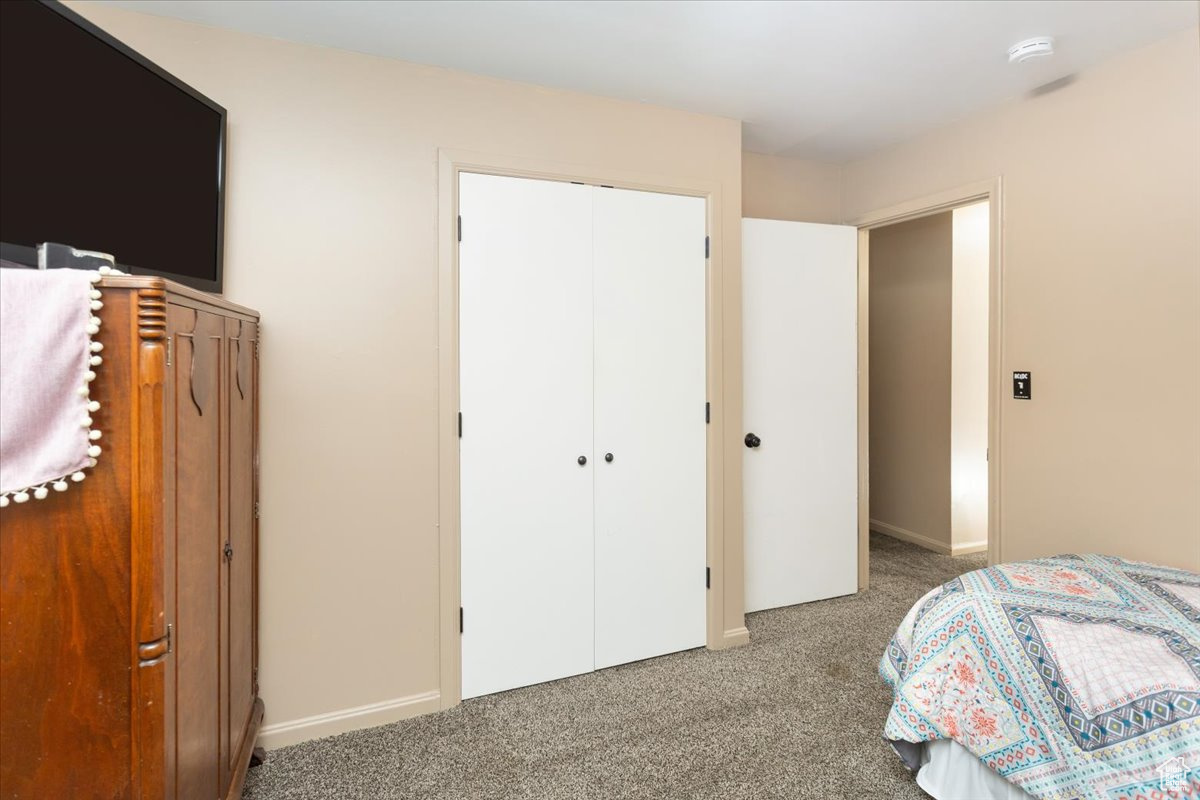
pixel 800 395
pixel 649 280
pixel 525 355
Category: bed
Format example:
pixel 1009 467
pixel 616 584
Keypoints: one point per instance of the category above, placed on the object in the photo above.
pixel 1065 678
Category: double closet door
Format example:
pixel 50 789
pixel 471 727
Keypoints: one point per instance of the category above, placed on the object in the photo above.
pixel 582 392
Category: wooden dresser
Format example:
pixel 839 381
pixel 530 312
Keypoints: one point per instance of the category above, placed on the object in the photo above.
pixel 128 603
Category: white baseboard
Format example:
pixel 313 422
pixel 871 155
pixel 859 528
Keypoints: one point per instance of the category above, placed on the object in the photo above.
pixel 906 535
pixel 964 548
pixel 735 637
pixel 281 734
pixel 896 532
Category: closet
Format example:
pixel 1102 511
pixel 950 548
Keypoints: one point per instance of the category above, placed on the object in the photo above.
pixel 583 428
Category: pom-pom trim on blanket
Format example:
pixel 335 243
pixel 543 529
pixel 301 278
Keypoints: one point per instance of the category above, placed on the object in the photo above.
pixel 60 484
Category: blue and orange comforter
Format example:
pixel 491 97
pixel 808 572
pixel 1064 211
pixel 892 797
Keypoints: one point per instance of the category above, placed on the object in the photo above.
pixel 1073 677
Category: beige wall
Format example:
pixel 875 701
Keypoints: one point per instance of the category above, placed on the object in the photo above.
pixel 910 274
pixel 1101 298
pixel 790 189
pixel 332 235
pixel 969 378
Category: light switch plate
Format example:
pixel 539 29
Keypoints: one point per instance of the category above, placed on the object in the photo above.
pixel 1022 385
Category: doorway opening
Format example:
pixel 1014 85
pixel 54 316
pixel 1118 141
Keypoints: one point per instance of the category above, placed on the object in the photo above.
pixel 929 381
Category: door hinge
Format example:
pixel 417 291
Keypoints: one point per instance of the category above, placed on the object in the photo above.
pixel 460 619
pixel 706 247
pixel 460 424
pixel 987 454
pixel 460 227
pixel 707 413
pixel 256 509
pixel 708 577
pixel 256 341
pixel 170 349
pixel 254 680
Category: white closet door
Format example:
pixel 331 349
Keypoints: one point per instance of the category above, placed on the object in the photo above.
pixel 800 394
pixel 525 354
pixel 649 283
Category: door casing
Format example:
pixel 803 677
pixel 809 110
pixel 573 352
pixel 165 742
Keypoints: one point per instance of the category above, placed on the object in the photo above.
pixel 723 537
pixel 990 190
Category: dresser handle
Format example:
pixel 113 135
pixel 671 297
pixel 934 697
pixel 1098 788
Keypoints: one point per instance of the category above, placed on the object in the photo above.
pixel 152 653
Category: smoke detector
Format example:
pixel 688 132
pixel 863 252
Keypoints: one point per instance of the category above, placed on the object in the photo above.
pixel 1036 47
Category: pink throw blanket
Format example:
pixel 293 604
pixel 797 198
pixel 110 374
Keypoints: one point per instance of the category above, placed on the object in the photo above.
pixel 47 361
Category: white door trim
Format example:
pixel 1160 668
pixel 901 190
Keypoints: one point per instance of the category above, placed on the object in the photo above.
pixel 992 191
pixel 723 482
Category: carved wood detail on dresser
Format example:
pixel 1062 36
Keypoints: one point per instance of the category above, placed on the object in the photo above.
pixel 128 604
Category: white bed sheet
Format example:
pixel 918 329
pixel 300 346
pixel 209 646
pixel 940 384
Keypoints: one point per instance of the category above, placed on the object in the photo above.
pixel 950 772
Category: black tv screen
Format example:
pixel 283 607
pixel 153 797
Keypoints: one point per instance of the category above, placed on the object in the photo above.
pixel 102 150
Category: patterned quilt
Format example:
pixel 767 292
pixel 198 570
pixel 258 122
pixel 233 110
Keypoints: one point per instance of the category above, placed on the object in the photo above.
pixel 1073 677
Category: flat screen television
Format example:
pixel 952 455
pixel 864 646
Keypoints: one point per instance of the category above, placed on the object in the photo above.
pixel 102 150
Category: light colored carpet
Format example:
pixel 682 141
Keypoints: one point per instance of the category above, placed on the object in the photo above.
pixel 795 714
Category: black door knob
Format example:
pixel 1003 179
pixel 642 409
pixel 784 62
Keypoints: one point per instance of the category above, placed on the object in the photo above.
pixel 752 440
pixel 608 457
pixel 582 460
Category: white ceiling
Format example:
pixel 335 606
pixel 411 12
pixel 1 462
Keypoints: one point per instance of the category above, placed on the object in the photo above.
pixel 820 79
